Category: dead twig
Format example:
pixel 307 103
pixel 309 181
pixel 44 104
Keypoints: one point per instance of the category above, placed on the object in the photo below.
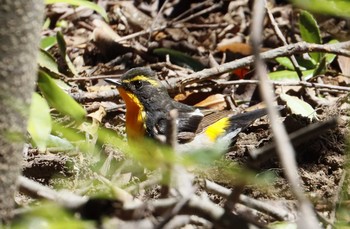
pixel 83 97
pixel 281 83
pixel 175 174
pixel 286 154
pixel 287 50
pixel 283 39
pixel 207 10
pixel 89 78
pixel 198 206
pixel 175 23
pixel 190 10
pixel 64 198
pixel 277 213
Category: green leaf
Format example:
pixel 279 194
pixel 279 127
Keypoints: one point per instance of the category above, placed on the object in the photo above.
pixel 299 107
pixel 179 58
pixel 84 3
pixel 309 29
pixel 46 24
pixel 304 64
pixel 63 50
pixel 39 124
pixel 58 142
pixel 58 99
pixel 333 7
pixel 289 75
pixel 47 42
pixel 286 62
pixel 325 60
pixel 61 43
pixel 50 215
pixel 46 61
pixel 201 157
pixel 72 135
pixel 320 68
pixel 310 32
pixel 329 56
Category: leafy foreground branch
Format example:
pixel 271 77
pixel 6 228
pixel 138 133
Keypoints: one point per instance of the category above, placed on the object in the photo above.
pixel 181 206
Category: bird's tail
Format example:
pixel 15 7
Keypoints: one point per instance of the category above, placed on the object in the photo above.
pixel 230 127
pixel 243 120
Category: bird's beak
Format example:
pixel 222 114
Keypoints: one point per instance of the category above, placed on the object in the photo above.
pixel 115 82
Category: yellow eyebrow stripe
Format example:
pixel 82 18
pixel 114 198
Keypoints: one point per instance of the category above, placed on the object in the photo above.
pixel 216 129
pixel 142 78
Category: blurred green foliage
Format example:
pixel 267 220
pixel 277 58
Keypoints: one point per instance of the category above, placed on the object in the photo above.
pixel 50 216
pixel 332 7
pixel 59 99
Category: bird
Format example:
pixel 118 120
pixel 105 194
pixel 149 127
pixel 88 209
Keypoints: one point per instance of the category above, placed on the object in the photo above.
pixel 148 105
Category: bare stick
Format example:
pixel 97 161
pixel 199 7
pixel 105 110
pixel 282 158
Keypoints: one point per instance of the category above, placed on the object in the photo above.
pixel 285 149
pixel 65 199
pixel 287 50
pixel 92 78
pixel 281 83
pixel 283 39
pixel 189 11
pixel 278 213
pixel 207 10
pixel 83 97
pixel 175 174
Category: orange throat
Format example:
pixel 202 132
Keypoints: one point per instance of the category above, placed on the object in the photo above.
pixel 135 127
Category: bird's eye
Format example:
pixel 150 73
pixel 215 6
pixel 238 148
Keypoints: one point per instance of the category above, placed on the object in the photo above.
pixel 138 84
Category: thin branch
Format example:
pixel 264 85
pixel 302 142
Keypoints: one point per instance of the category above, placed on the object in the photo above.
pixel 175 174
pixel 83 97
pixel 285 149
pixel 64 198
pixel 207 10
pixel 287 50
pixel 198 206
pixel 162 27
pixel 173 23
pixel 281 83
pixel 157 18
pixel 190 10
pixel 283 39
pixel 277 213
pixel 92 78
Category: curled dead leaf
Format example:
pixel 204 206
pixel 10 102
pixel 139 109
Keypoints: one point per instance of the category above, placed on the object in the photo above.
pixel 216 102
